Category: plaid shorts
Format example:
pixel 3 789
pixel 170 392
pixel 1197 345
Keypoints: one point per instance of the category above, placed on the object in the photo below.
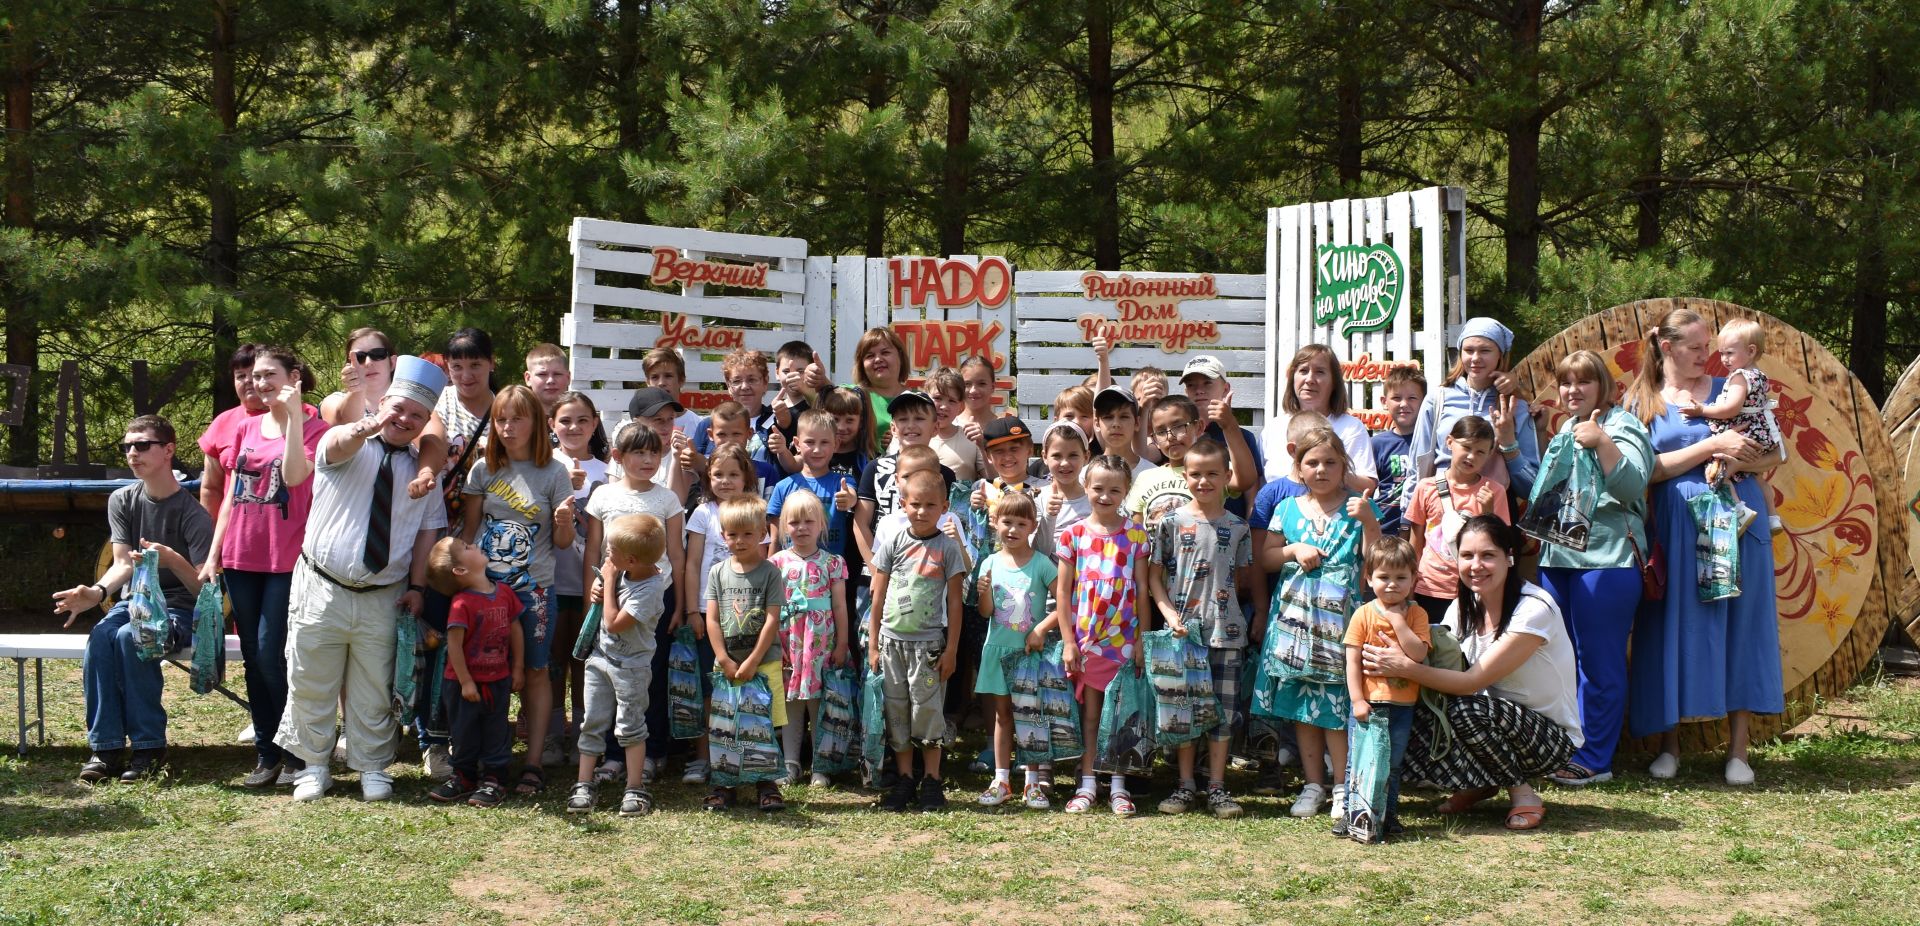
pixel 1227 663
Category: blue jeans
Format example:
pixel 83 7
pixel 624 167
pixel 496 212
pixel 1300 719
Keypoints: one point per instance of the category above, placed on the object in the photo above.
pixel 123 690
pixel 1598 605
pixel 259 601
pixel 1399 730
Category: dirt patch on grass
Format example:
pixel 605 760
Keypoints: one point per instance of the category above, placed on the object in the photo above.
pixel 518 902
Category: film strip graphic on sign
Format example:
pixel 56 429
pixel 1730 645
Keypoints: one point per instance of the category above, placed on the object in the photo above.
pixel 1153 319
pixel 1352 273
pixel 637 287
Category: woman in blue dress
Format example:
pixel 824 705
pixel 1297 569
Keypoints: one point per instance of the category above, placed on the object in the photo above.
pixel 1695 661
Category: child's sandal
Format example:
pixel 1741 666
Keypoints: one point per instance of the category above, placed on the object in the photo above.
pixel 1081 802
pixel 532 781
pixel 770 799
pixel 718 799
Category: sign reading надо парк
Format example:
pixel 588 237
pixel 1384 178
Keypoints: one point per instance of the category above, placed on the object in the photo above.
pixel 1148 310
pixel 1361 283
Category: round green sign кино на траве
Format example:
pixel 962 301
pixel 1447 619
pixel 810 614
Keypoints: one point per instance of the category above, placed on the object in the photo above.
pixel 1362 283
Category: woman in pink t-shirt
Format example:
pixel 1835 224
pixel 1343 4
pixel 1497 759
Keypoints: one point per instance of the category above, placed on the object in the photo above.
pixel 257 538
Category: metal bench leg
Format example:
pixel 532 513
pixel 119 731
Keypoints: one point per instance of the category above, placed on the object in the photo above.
pixel 40 699
pixel 20 700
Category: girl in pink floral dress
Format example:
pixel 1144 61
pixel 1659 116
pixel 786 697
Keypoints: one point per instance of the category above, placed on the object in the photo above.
pixel 813 625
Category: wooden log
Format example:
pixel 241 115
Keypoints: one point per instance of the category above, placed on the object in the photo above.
pixel 1842 561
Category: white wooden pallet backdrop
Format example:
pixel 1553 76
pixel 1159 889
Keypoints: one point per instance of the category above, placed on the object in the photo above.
pixel 1424 225
pixel 829 302
pixel 606 347
pixel 1052 354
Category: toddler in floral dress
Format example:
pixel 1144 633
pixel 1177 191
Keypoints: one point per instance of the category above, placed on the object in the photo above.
pixel 813 625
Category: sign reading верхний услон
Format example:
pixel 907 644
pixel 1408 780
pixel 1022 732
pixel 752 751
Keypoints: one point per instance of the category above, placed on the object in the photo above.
pixel 1362 283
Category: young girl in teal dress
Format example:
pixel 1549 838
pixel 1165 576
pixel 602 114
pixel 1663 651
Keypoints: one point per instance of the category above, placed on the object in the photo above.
pixel 1320 539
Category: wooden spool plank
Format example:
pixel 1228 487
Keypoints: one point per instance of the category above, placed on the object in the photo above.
pixel 1901 418
pixel 1842 562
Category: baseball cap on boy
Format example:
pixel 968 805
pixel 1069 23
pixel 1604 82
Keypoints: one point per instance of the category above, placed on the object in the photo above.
pixel 1204 365
pixel 909 399
pixel 1005 431
pixel 648 401
pixel 1111 398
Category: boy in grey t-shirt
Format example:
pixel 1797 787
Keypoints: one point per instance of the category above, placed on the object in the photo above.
pixel 621 665
pixel 917 574
pixel 1201 554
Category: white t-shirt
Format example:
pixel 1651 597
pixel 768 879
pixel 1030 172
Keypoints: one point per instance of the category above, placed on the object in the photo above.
pixel 686 423
pixel 705 521
pixel 613 501
pixel 1546 681
pixel 1353 436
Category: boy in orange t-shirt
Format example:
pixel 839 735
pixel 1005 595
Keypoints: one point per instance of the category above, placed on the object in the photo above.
pixel 1389 616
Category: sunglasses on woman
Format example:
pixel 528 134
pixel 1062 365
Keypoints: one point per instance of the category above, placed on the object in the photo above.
pixel 378 353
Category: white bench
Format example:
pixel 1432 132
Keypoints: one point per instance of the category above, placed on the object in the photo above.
pixel 38 647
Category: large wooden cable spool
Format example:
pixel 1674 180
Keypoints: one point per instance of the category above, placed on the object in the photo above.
pixel 1901 416
pixel 1842 565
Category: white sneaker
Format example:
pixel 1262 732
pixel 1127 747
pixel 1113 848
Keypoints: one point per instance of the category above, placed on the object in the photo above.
pixel 1665 766
pixel 695 773
pixel 438 763
pixel 1309 801
pixel 1339 802
pixel 375 786
pixel 819 781
pixel 1739 773
pixel 649 769
pixel 244 736
pixel 610 770
pixel 312 782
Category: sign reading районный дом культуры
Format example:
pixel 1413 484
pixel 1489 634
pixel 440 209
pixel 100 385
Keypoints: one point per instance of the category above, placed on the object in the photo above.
pixel 1362 283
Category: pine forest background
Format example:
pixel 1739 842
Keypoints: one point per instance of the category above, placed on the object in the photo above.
pixel 182 175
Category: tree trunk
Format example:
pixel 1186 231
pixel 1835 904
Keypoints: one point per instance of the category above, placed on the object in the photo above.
pixel 1867 354
pixel 23 329
pixel 1347 145
pixel 626 81
pixel 877 93
pixel 1523 155
pixel 1647 196
pixel 1106 170
pixel 957 162
pixel 1349 115
pixel 223 203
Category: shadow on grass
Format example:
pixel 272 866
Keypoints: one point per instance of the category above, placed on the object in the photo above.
pixel 23 819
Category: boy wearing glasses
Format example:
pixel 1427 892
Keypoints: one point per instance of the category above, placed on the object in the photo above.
pixel 123 690
pixel 1172 427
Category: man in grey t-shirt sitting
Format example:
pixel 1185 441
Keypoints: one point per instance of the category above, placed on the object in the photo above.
pixel 123 690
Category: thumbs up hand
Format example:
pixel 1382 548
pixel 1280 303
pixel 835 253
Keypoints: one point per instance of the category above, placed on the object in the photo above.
pixel 1361 507
pixel 845 499
pixel 577 475
pixel 816 377
pixel 1588 432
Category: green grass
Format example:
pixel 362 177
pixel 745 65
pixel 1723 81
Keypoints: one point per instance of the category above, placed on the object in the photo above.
pixel 1831 835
